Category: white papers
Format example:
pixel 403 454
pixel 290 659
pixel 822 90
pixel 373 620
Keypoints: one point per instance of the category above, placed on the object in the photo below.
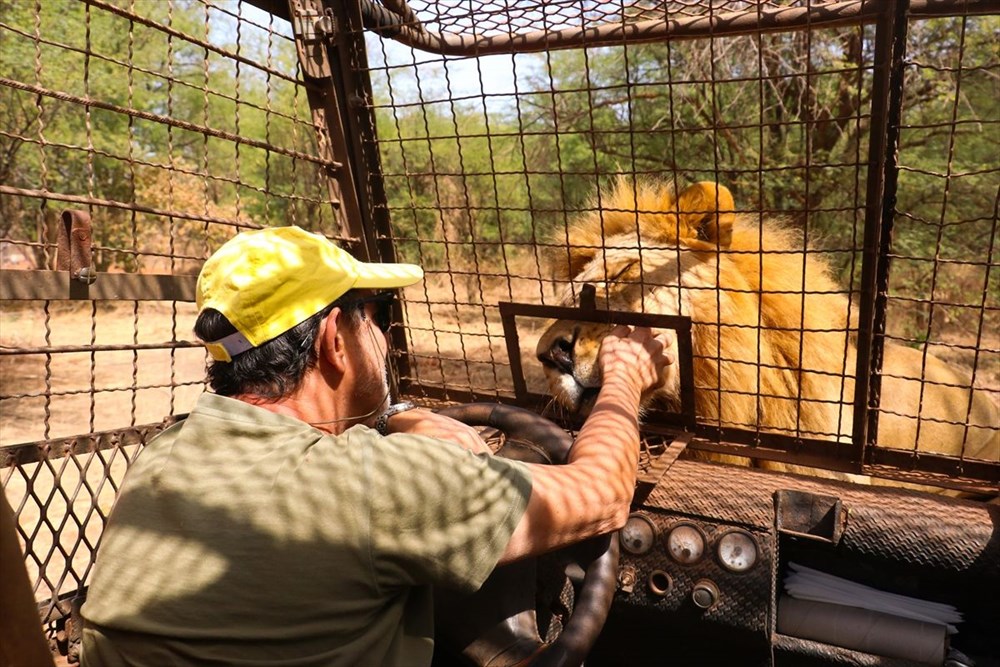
pixel 806 583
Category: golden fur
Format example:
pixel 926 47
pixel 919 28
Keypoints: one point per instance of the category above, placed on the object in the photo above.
pixel 769 325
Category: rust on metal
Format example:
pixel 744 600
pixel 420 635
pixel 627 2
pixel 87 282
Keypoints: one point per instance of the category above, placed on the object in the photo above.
pixel 73 251
pixel 808 515
pixel 650 475
pixel 352 131
pixel 54 286
pixel 313 26
pixel 32 452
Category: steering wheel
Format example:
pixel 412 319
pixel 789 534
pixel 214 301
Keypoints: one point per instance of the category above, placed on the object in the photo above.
pixel 497 626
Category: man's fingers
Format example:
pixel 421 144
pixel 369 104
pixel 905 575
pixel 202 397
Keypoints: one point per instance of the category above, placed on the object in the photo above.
pixel 621 331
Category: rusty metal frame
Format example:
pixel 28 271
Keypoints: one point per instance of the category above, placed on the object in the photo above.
pixel 32 452
pixel 880 198
pixel 588 313
pixel 328 112
pixel 351 87
pixel 59 285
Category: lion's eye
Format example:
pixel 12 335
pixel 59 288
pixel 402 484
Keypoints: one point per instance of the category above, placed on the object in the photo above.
pixel 622 272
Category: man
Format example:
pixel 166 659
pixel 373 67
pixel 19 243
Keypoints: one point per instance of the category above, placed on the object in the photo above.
pixel 276 526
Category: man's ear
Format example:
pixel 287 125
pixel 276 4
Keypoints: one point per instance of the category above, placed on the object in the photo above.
pixel 330 341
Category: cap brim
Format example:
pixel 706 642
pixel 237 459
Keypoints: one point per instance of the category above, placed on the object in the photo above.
pixel 387 276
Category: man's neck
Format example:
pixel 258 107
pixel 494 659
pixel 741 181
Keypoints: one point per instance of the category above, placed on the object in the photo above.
pixel 313 402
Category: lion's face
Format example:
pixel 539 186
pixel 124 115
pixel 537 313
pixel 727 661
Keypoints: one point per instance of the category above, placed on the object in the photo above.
pixel 765 353
pixel 648 272
pixel 569 350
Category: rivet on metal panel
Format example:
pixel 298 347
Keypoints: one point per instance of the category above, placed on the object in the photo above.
pixel 626 579
pixel 326 26
pixel 73 248
pixel 810 515
pixel 313 28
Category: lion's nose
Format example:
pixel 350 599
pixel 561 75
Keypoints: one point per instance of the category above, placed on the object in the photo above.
pixel 559 355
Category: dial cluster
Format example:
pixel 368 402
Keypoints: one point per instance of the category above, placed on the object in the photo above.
pixel 735 549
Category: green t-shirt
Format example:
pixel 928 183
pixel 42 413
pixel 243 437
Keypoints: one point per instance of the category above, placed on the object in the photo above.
pixel 244 537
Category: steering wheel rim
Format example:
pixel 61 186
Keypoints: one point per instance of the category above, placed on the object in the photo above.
pixel 500 626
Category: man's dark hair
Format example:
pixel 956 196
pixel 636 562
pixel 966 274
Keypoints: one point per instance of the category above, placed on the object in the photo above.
pixel 273 369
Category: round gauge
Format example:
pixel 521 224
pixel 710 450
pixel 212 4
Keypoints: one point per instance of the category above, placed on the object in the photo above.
pixel 685 543
pixel 737 551
pixel 638 535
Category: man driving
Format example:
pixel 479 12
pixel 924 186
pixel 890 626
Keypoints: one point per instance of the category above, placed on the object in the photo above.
pixel 295 517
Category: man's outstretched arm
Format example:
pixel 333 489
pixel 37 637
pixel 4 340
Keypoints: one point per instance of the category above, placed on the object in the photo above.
pixel 590 495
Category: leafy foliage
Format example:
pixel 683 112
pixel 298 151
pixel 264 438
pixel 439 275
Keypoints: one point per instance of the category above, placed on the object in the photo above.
pixel 783 119
pixel 52 142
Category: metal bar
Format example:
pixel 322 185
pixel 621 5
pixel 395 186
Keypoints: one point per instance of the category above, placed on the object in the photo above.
pixel 963 484
pixel 334 101
pixel 127 206
pixel 828 454
pixel 905 460
pixel 869 355
pixel 324 99
pixel 754 20
pixel 662 463
pixel 205 44
pixel 507 319
pixel 450 396
pixel 357 139
pixel 76 349
pixel 58 285
pixel 678 323
pixel 33 452
pixel 135 160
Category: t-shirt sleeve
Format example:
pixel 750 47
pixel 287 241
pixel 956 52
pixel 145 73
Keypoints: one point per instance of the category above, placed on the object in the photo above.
pixel 438 514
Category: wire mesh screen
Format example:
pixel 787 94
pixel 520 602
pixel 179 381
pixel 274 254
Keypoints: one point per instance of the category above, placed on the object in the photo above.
pixel 174 125
pixel 943 290
pixel 507 173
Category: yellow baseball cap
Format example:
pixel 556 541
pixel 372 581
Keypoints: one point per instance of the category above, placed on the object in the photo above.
pixel 267 281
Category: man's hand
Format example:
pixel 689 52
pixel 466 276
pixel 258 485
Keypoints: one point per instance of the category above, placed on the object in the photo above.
pixel 638 355
pixel 420 421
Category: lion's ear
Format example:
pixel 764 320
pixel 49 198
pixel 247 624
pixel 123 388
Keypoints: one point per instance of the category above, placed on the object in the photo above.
pixel 707 214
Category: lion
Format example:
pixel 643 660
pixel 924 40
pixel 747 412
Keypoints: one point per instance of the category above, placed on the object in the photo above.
pixel 771 332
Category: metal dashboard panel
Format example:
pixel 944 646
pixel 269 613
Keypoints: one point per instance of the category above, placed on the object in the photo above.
pixel 902 541
pixel 744 599
pixel 898 525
